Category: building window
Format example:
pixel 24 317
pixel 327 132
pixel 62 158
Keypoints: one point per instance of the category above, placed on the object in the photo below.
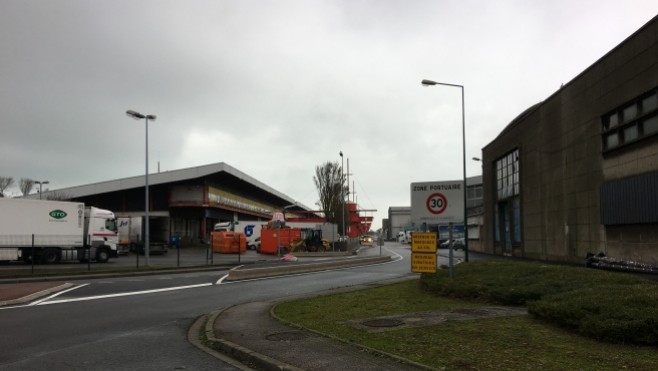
pixel 631 122
pixel 507 175
pixel 507 217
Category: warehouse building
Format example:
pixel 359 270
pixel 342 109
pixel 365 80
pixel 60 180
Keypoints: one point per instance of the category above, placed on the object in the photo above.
pixel 188 201
pixel 578 172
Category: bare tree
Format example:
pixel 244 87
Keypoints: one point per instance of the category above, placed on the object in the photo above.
pixel 26 186
pixel 329 180
pixel 5 182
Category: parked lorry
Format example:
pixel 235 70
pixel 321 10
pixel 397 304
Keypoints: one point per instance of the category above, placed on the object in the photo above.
pixel 250 228
pixel 44 231
pixel 131 233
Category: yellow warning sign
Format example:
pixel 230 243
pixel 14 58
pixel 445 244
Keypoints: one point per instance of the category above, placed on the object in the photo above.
pixel 423 263
pixel 423 242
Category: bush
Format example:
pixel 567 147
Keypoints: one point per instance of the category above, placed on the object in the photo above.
pixel 608 306
pixel 613 313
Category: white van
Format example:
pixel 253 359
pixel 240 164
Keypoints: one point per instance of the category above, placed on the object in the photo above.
pixel 404 236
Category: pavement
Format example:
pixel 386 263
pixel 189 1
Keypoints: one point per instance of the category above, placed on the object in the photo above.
pixel 251 334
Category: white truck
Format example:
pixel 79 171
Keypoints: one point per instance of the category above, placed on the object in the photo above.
pixel 131 233
pixel 49 231
pixel 250 228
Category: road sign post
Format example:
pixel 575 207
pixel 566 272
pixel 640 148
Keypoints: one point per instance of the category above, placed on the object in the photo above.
pixel 423 252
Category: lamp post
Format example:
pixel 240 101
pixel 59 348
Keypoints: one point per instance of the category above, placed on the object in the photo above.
pixel 139 116
pixel 40 183
pixel 430 83
pixel 342 196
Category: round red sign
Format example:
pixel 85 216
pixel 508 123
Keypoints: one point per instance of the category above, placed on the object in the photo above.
pixel 436 203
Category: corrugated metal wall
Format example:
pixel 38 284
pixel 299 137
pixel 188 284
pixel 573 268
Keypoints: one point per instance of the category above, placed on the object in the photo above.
pixel 631 200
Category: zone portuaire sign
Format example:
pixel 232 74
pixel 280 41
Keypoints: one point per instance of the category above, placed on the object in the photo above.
pixel 437 202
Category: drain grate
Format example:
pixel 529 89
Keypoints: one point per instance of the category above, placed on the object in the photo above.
pixel 383 322
pixel 287 336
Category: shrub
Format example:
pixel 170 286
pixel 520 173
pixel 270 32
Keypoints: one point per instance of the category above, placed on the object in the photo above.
pixel 613 313
pixel 608 306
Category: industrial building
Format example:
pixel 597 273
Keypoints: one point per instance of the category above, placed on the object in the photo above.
pixel 190 201
pixel 578 172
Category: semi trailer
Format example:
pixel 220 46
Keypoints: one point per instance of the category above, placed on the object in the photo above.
pixel 44 231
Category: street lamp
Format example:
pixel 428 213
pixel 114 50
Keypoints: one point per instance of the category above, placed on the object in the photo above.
pixel 342 196
pixel 41 182
pixel 429 83
pixel 139 116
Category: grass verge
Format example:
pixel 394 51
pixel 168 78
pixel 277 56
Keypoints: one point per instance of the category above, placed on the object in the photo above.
pixel 516 343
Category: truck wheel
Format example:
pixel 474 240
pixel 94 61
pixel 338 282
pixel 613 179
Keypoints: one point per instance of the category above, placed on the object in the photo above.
pixel 102 255
pixel 50 256
pixel 27 257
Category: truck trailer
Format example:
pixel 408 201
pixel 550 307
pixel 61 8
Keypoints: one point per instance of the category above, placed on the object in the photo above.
pixel 44 231
pixel 131 233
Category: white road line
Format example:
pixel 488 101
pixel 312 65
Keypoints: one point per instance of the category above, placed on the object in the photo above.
pixel 221 280
pixel 37 302
pixel 123 294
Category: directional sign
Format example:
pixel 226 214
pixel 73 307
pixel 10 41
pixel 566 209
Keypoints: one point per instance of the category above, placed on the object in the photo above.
pixel 423 242
pixel 423 262
pixel 437 202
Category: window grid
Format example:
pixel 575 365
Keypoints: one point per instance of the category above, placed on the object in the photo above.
pixel 631 122
pixel 507 175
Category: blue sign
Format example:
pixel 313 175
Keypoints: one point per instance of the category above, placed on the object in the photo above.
pixel 249 230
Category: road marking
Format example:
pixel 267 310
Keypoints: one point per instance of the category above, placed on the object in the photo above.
pixel 221 280
pixel 122 294
pixel 37 302
pixel 397 258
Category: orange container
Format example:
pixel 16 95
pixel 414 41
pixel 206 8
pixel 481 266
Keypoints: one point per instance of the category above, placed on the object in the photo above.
pixel 270 237
pixel 228 242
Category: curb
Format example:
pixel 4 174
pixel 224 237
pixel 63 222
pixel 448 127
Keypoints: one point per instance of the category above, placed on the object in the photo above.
pixel 252 273
pixel 241 353
pixel 36 295
pixel 230 352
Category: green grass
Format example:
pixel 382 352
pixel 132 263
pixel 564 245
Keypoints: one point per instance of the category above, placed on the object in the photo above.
pixel 514 343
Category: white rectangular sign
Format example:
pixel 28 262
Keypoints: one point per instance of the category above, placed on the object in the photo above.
pixel 437 202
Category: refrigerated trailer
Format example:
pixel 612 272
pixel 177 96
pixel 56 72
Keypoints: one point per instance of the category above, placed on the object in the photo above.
pixel 45 231
pixel 131 233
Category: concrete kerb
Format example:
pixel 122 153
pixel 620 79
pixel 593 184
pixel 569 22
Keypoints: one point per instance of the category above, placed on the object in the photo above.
pixel 241 353
pixel 252 273
pixel 359 346
pixel 261 361
pixel 36 295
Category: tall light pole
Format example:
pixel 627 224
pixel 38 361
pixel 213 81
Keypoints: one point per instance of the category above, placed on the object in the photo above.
pixel 139 116
pixel 429 83
pixel 41 182
pixel 342 196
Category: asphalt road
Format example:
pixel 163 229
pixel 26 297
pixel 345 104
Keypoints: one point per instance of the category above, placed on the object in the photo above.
pixel 141 323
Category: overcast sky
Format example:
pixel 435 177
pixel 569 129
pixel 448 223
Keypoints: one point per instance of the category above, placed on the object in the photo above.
pixel 276 88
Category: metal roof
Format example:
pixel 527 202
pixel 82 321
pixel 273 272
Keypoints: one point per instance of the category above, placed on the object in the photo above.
pixel 163 178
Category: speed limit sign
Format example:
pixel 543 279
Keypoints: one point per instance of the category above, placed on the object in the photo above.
pixel 436 203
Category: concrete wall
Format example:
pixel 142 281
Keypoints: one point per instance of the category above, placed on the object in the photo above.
pixel 562 165
pixel 398 217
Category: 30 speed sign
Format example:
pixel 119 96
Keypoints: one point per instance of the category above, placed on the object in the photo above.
pixel 436 203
